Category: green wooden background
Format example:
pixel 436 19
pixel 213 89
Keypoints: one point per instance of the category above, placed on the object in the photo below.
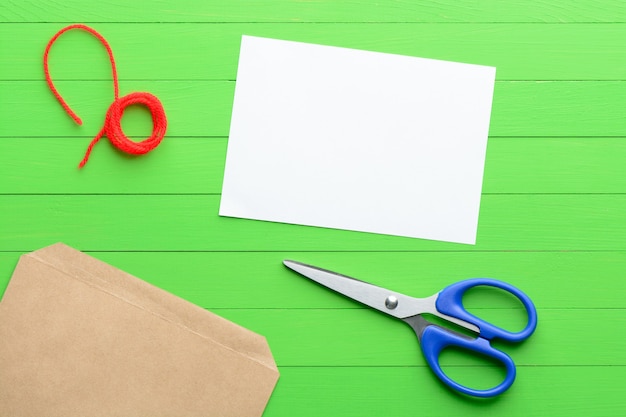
pixel 553 212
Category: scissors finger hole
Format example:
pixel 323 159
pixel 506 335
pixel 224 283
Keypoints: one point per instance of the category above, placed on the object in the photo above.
pixel 496 306
pixel 471 369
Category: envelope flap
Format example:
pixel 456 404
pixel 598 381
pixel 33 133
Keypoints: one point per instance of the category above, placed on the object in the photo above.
pixel 169 307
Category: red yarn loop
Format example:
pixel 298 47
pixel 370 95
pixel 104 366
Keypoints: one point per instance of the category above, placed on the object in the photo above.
pixel 112 128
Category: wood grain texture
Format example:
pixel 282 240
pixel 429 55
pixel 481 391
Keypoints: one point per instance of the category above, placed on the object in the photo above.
pixel 203 108
pixel 214 280
pixel 440 11
pixel 521 52
pixel 188 165
pixel 375 391
pixel 124 222
pixel 552 218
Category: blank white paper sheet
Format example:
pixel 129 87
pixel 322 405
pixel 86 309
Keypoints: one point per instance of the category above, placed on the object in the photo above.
pixel 356 140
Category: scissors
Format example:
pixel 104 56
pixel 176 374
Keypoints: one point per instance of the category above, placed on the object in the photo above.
pixel 446 304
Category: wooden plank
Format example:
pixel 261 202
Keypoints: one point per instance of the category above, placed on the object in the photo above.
pixel 203 109
pixel 119 222
pixel 373 391
pixel 198 108
pixel 184 165
pixel 358 337
pixel 555 165
pixel 180 165
pixel 210 51
pixel 319 11
pixel 258 280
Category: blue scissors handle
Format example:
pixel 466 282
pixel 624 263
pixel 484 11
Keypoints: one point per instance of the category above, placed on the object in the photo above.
pixel 434 339
pixel 450 302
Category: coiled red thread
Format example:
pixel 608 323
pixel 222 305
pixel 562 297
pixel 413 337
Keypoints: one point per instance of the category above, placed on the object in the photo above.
pixel 112 123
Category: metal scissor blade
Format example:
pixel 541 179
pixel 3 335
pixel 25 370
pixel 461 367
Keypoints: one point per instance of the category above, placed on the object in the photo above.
pixel 390 302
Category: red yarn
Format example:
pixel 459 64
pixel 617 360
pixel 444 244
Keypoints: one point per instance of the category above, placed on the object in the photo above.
pixel 112 124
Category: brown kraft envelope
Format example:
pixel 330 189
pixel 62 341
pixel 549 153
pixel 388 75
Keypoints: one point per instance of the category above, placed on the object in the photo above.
pixel 79 337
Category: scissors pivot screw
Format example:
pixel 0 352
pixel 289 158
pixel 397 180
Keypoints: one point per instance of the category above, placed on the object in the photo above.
pixel 391 302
